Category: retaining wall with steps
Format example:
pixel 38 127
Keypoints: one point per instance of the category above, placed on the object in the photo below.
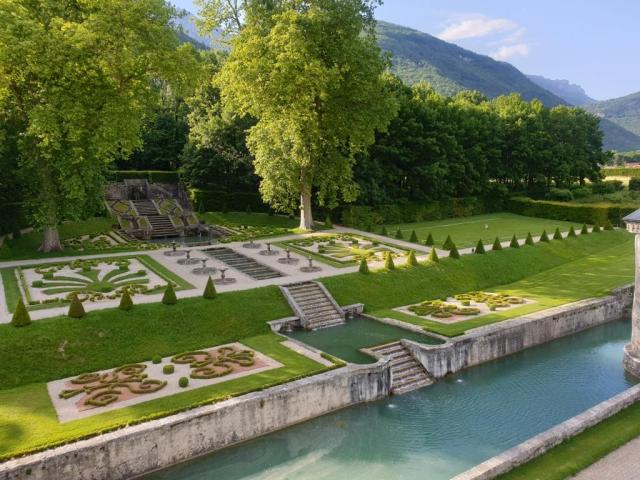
pixel 407 373
pixel 243 263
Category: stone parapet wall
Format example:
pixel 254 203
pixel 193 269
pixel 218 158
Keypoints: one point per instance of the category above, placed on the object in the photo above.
pixel 157 444
pixel 505 338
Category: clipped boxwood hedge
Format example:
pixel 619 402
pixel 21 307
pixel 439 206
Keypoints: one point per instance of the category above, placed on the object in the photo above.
pixel 159 176
pixel 597 213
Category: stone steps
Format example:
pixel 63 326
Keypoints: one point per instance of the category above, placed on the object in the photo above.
pixel 316 307
pixel 243 264
pixel 407 373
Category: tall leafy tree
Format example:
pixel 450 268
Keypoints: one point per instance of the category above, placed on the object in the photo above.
pixel 309 72
pixel 77 79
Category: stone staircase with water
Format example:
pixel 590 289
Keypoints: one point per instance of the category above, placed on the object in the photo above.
pixel 407 373
pixel 242 263
pixel 161 225
pixel 314 305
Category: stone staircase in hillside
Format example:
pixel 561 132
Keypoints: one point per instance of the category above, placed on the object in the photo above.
pixel 314 305
pixel 407 373
pixel 161 225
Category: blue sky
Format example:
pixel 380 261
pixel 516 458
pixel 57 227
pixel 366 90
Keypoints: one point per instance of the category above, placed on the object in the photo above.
pixel 593 43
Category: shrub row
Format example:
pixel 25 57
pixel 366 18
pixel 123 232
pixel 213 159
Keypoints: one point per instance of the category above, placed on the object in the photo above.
pixel 599 213
pixel 622 172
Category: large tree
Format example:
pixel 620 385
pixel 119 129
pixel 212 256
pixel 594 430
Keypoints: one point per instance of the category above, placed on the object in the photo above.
pixel 310 73
pixel 76 80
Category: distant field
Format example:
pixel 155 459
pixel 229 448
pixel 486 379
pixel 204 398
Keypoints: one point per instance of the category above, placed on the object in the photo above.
pixel 621 172
pixel 466 231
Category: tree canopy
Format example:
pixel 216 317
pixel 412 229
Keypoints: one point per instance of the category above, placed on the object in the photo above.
pixel 317 99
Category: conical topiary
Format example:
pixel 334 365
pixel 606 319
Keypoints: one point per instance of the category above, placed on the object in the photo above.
pixel 584 230
pixel 411 258
pixel 21 316
pixel 572 232
pixel 399 234
pixel 514 242
pixel 384 231
pixel 544 237
pixel 557 235
pixel 480 247
pixel 414 237
pixel 388 262
pixel 596 228
pixel 364 266
pixel 433 256
pixel 453 253
pixel 529 240
pixel 327 222
pixel 209 290
pixel 76 309
pixel 248 211
pixel 169 297
pixel 126 303
pixel 496 245
pixel 448 243
pixel 608 225
pixel 429 241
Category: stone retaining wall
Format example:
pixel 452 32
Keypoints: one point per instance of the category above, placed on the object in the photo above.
pixel 157 444
pixel 536 446
pixel 501 339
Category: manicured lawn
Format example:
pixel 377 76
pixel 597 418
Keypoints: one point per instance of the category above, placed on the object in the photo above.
pixel 60 347
pixel 253 219
pixel 466 231
pixel 29 422
pixel 607 259
pixel 27 246
pixel 576 454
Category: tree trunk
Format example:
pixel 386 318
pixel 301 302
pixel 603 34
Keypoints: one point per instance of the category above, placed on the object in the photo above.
pixel 306 217
pixel 50 240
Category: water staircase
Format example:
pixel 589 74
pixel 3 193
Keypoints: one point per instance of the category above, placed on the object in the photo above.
pixel 314 305
pixel 242 263
pixel 161 225
pixel 407 373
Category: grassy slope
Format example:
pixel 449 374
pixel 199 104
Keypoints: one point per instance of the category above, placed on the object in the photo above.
pixel 29 422
pixel 385 290
pixel 575 454
pixel 465 232
pixel 592 276
pixel 60 347
pixel 254 219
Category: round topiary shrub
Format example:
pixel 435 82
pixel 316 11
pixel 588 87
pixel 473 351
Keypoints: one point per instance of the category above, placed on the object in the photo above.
pixel 76 309
pixel 126 303
pixel 364 267
pixel 209 290
pixel 168 369
pixel 21 316
pixel 156 359
pixel 183 382
pixel 169 297
pixel 388 262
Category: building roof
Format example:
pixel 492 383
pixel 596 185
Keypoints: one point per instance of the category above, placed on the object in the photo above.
pixel 633 217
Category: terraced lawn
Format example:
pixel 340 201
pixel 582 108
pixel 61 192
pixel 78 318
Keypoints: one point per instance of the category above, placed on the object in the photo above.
pixel 466 231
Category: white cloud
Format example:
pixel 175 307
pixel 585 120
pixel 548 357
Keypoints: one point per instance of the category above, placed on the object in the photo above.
pixel 508 51
pixel 477 26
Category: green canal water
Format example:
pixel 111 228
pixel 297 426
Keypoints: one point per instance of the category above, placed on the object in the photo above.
pixel 438 431
pixel 345 341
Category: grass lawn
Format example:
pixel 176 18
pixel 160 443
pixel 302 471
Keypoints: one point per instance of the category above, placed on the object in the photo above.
pixel 252 219
pixel 27 246
pixel 466 231
pixel 29 422
pixel 579 452
pixel 554 273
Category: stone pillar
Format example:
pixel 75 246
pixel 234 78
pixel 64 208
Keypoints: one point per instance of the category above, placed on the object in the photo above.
pixel 632 351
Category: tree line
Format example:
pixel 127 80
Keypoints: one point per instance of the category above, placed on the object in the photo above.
pixel 299 106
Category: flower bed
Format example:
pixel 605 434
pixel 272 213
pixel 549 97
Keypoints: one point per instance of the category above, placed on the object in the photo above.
pixel 463 306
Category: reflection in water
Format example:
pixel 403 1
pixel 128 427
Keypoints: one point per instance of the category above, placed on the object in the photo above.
pixel 441 430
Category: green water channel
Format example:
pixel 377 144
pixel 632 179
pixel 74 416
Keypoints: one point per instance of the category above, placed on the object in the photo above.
pixel 344 341
pixel 441 430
